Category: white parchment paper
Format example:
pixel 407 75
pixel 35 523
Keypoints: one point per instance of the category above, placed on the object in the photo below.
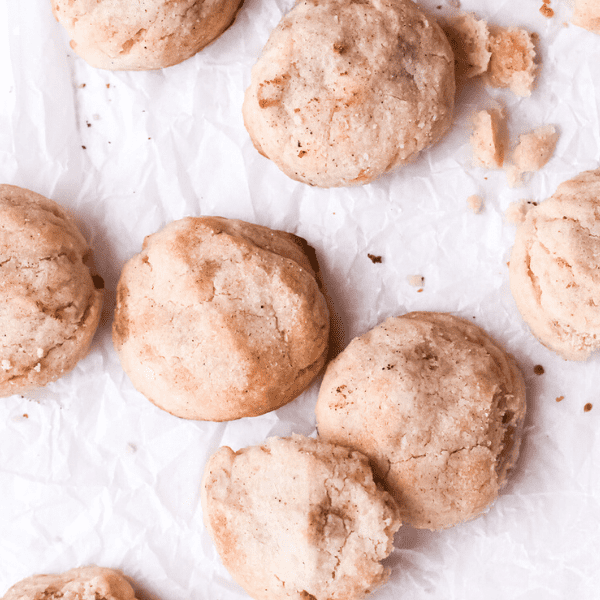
pixel 91 472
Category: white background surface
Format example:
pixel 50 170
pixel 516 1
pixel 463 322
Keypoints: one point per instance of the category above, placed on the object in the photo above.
pixel 91 472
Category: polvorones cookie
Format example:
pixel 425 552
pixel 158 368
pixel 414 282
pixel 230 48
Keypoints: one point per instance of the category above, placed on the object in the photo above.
pixel 297 518
pixel 219 319
pixel 50 307
pixel 554 276
pixel 436 405
pixel 346 91
pixel 142 35
pixel 83 583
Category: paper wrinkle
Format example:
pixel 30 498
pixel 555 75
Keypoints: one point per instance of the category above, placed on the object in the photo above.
pixel 92 472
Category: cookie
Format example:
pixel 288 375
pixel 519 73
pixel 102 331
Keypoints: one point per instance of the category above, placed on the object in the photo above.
pixel 50 307
pixel 146 34
pixel 347 91
pixel 586 14
pixel 84 583
pixel 297 518
pixel 553 269
pixel 437 406
pixel 219 319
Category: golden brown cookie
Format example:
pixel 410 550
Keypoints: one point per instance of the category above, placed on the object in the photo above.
pixel 84 583
pixel 554 275
pixel 436 405
pixel 219 319
pixel 586 14
pixel 145 34
pixel 346 91
pixel 50 308
pixel 297 518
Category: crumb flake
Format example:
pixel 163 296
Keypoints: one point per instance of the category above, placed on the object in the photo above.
pixel 533 151
pixel 416 280
pixel 517 211
pixel 488 138
pixel 475 203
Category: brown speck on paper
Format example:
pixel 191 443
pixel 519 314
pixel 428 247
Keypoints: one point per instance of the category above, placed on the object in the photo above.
pixel 538 370
pixel 375 259
pixel 587 407
pixel 560 398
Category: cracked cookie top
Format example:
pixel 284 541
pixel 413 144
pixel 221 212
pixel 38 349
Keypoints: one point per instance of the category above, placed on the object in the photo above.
pixel 83 583
pixel 219 319
pixel 145 34
pixel 345 91
pixel 300 519
pixel 554 268
pixel 49 307
pixel 436 405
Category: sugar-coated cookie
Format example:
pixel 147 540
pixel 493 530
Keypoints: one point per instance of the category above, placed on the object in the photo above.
pixel 218 319
pixel 84 583
pixel 297 518
pixel 436 405
pixel 50 307
pixel 145 34
pixel 554 274
pixel 346 91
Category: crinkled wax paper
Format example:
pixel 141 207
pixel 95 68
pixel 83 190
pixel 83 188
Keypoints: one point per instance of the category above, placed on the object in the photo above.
pixel 91 472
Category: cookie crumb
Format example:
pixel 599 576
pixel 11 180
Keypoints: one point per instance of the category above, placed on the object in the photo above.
pixel 511 63
pixel 517 211
pixel 470 41
pixel 546 11
pixel 81 86
pixel 588 407
pixel 375 259
pixel 416 280
pixel 488 138
pixel 533 151
pixel 538 370
pixel 475 203
pixel 560 398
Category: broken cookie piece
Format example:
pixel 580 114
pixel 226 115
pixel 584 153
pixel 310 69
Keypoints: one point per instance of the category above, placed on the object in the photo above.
pixel 84 583
pixel 488 138
pixel 470 41
pixel 533 151
pixel 512 62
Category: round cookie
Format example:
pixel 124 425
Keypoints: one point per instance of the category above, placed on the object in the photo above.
pixel 346 91
pixel 121 35
pixel 83 583
pixel 299 519
pixel 50 308
pixel 219 319
pixel 554 274
pixel 436 405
